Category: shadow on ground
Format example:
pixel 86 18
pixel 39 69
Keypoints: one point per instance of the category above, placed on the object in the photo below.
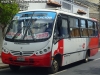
pixel 37 71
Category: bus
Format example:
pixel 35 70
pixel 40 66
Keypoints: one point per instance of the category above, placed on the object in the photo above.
pixel 49 38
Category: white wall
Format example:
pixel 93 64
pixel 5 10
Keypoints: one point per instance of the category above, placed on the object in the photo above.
pixel 38 6
pixel 74 7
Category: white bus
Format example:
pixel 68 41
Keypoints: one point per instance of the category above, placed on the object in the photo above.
pixel 49 38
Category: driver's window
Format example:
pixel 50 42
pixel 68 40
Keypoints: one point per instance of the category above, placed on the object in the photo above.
pixel 62 30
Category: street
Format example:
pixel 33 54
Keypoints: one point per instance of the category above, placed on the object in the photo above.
pixel 78 68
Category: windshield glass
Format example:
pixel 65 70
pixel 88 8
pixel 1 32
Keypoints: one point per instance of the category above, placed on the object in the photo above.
pixel 31 26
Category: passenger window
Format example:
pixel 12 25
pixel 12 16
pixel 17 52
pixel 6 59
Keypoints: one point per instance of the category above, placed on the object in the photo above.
pixel 83 24
pixel 91 29
pixel 83 27
pixel 95 29
pixel 74 27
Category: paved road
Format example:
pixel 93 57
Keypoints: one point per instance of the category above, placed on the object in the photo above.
pixel 79 68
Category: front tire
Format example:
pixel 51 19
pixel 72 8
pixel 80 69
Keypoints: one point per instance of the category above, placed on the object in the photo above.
pixel 14 67
pixel 54 67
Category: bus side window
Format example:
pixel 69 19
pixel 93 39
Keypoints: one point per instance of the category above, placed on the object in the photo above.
pixel 83 27
pixel 74 27
pixel 90 28
pixel 95 29
pixel 62 28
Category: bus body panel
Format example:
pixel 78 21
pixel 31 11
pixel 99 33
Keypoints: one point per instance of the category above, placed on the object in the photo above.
pixel 29 54
pixel 74 49
pixel 36 61
pixel 70 49
pixel 26 46
pixel 94 46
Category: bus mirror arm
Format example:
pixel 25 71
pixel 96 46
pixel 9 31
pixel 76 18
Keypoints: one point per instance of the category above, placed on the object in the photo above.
pixel 56 39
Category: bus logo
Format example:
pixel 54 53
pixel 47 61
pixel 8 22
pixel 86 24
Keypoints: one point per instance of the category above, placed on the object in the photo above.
pixel 21 53
pixel 83 45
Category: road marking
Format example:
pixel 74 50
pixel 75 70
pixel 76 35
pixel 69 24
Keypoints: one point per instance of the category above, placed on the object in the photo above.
pixel 58 72
pixel 66 70
pixel 96 59
pixel 54 73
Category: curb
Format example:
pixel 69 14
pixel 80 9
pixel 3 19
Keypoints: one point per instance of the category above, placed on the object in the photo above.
pixel 3 67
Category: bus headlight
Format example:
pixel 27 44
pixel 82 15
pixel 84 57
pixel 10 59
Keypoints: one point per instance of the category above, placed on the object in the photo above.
pixel 5 50
pixel 43 51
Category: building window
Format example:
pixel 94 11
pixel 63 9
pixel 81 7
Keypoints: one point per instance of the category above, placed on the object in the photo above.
pixel 65 5
pixel 69 0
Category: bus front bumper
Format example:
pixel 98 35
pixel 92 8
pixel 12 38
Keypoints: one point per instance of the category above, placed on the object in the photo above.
pixel 36 61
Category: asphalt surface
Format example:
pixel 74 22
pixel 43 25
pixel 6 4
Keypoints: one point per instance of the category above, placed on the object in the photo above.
pixel 78 68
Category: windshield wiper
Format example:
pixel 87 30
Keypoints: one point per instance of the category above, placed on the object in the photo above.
pixel 31 33
pixel 17 33
pixel 25 33
pixel 28 28
pixel 23 27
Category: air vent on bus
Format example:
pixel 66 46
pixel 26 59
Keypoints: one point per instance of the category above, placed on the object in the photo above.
pixel 21 53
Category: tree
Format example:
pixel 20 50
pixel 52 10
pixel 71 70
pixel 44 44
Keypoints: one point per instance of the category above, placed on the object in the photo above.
pixel 7 11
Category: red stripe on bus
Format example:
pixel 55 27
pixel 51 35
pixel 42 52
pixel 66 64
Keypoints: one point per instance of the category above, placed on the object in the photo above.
pixel 93 45
pixel 60 49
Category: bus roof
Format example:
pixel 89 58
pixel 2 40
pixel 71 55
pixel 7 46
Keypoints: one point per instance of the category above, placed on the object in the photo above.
pixel 59 11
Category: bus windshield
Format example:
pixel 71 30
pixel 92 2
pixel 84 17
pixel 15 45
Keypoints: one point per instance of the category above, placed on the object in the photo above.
pixel 30 26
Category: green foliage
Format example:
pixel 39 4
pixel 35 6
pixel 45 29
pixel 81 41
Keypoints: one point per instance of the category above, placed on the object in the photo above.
pixel 7 11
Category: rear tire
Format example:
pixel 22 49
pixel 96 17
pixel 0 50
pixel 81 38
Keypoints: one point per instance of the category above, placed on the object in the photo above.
pixel 54 67
pixel 86 58
pixel 14 67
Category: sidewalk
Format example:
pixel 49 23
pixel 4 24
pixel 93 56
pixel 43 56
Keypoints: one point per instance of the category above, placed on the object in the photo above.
pixel 2 65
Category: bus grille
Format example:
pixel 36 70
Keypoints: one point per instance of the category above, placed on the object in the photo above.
pixel 21 53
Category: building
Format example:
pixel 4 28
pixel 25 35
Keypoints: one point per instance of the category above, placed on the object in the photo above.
pixel 93 8
pixel 23 5
pixel 66 5
pixel 94 11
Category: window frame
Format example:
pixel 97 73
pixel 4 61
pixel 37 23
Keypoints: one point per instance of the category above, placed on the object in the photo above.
pixel 67 17
pixel 81 32
pixel 92 28
pixel 74 27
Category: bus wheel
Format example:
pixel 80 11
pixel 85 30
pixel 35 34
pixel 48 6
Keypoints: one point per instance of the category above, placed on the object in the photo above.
pixel 14 67
pixel 86 58
pixel 54 67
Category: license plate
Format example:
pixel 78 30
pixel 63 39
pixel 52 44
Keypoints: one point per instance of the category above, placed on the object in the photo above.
pixel 20 59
